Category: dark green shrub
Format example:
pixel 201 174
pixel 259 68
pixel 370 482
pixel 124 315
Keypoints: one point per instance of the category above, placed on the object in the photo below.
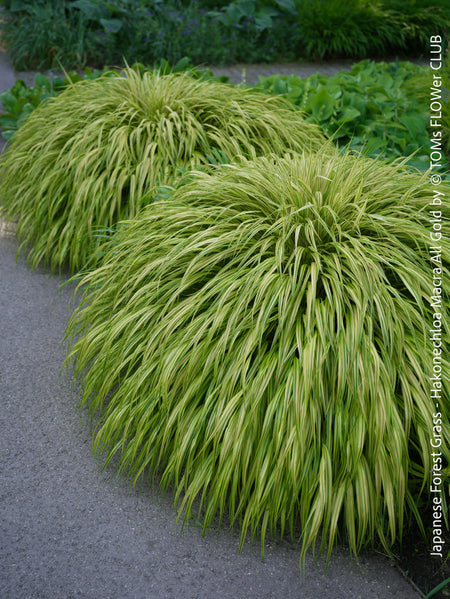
pixel 40 35
pixel 331 28
pixel 418 20
pixel 96 32
pixel 242 31
pixel 357 28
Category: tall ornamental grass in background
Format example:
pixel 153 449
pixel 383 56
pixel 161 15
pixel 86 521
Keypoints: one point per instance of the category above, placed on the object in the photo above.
pixel 260 340
pixel 94 155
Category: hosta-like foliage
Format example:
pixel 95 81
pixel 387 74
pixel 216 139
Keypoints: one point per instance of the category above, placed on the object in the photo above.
pixel 93 155
pixel 262 339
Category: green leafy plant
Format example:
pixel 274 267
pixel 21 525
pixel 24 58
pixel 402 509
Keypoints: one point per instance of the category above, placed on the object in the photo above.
pixel 113 16
pixel 120 29
pixel 186 31
pixel 20 101
pixel 245 30
pixel 241 10
pixel 260 339
pixel 95 154
pixel 421 84
pixel 372 108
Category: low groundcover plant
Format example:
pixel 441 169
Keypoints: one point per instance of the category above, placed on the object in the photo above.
pixel 260 340
pixel 94 154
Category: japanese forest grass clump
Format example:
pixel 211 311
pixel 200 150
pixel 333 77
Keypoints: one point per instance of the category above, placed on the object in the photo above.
pixel 261 340
pixel 94 155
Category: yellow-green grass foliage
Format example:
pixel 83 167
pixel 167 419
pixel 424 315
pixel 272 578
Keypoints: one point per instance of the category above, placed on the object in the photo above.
pixel 261 340
pixel 93 155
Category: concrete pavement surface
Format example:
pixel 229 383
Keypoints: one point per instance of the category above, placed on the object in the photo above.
pixel 69 529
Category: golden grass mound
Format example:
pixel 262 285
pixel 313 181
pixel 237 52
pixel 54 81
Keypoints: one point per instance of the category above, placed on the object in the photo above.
pixel 94 155
pixel 262 339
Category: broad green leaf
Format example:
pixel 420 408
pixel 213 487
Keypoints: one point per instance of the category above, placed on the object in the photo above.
pixel 263 18
pixel 8 134
pixel 18 5
pixel 280 86
pixel 92 10
pixel 347 114
pixel 398 141
pixel 374 145
pixel 111 25
pixel 322 105
pixel 42 81
pixel 59 84
pixel 181 65
pixel 6 122
pixel 335 91
pixel 414 122
pixel 288 5
pixel 113 7
pixel 9 101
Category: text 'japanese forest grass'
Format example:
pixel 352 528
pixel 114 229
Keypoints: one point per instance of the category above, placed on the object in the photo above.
pixel 94 155
pixel 261 339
